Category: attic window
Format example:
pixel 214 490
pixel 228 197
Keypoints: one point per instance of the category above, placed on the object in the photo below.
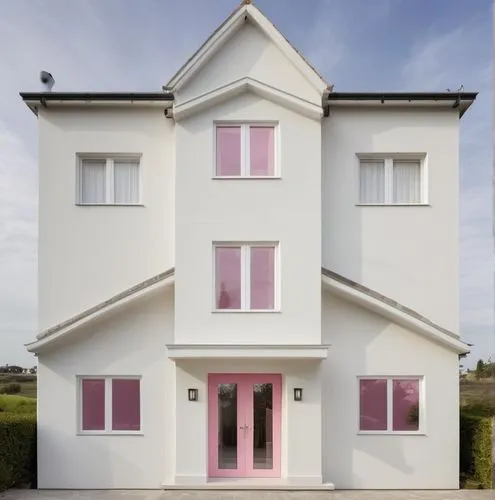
pixel 246 150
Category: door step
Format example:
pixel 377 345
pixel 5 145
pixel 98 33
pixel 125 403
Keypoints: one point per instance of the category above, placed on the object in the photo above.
pixel 251 484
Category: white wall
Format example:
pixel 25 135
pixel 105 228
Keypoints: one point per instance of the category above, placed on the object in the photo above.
pixel 301 421
pixel 363 343
pixel 407 253
pixel 88 254
pixel 129 343
pixel 287 210
pixel 249 53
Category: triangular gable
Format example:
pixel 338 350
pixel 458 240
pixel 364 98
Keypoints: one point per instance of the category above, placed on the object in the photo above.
pixel 245 14
pixel 335 283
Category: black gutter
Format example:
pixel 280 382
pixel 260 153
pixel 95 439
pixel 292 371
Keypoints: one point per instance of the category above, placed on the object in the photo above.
pixel 401 96
pixel 96 96
pixel 457 97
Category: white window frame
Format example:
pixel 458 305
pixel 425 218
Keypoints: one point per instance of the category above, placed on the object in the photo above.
pixel 245 276
pixel 109 160
pixel 390 408
pixel 388 160
pixel 245 149
pixel 108 406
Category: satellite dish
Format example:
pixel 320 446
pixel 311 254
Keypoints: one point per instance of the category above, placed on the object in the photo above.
pixel 47 80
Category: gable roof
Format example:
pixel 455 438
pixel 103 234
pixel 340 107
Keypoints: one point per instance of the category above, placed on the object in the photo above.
pixel 348 289
pixel 244 12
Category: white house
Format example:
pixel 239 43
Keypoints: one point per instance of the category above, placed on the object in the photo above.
pixel 247 279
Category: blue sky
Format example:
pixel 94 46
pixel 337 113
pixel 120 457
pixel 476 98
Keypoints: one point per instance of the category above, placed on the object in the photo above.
pixel 359 45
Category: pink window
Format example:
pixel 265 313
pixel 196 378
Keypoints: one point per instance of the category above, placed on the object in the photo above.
pixel 406 405
pixel 228 151
pixel 261 150
pixel 262 277
pixel 93 405
pixel 228 277
pixel 373 405
pixel 126 405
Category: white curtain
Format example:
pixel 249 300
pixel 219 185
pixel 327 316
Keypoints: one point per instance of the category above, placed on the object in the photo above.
pixel 372 181
pixel 126 182
pixel 93 185
pixel 407 182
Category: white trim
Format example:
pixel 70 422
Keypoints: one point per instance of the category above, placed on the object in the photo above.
pixel 246 153
pixel 245 248
pixel 109 159
pixel 108 406
pixel 220 37
pixel 393 314
pixel 390 405
pixel 245 136
pixel 220 351
pixel 232 89
pixel 389 159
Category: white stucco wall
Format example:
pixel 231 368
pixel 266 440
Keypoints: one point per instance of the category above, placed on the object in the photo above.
pixel 301 421
pixel 320 440
pixel 128 343
pixel 88 254
pixel 249 53
pixel 286 210
pixel 364 344
pixel 410 254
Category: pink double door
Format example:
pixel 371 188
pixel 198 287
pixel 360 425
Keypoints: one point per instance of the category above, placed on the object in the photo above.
pixel 244 416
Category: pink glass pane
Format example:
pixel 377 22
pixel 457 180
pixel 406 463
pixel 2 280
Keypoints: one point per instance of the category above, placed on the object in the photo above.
pixel 261 151
pixel 262 278
pixel 126 405
pixel 373 405
pixel 93 405
pixel 228 277
pixel 228 150
pixel 406 405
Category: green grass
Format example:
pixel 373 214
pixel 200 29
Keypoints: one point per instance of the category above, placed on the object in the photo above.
pixel 16 404
pixel 27 383
pixel 477 392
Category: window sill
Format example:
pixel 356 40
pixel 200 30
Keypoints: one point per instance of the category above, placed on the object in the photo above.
pixel 114 433
pixel 391 433
pixel 246 177
pixel 393 205
pixel 109 205
pixel 247 311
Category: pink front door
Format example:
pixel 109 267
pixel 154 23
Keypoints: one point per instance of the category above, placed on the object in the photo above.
pixel 244 412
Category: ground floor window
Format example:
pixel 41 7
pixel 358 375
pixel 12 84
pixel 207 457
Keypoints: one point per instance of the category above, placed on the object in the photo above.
pixel 391 405
pixel 110 405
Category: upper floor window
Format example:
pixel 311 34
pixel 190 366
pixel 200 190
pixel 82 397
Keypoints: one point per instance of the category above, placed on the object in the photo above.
pixel 390 405
pixel 108 181
pixel 245 277
pixel 246 150
pixel 391 181
pixel 110 404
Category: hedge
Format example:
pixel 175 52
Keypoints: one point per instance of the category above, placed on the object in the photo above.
pixel 475 450
pixel 17 450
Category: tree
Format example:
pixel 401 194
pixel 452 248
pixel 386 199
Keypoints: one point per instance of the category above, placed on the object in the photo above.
pixel 480 369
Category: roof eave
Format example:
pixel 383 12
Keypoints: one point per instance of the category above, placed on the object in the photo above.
pixel 395 314
pixel 35 100
pixel 460 100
